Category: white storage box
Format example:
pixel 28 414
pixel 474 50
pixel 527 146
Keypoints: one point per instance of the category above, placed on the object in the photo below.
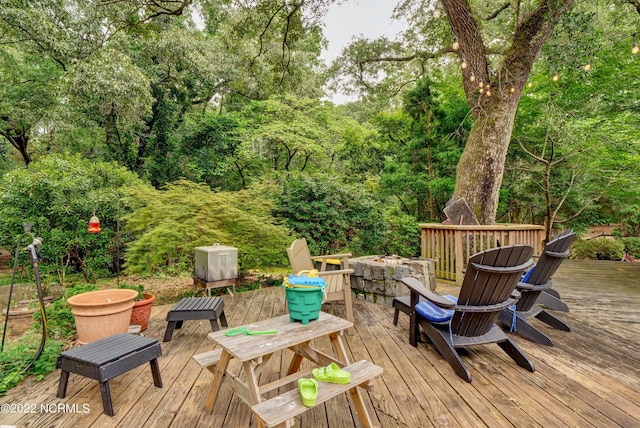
pixel 216 263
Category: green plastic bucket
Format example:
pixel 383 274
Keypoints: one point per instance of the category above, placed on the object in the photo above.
pixel 304 303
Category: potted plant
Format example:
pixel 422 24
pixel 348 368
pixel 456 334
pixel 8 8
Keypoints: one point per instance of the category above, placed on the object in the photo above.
pixel 141 311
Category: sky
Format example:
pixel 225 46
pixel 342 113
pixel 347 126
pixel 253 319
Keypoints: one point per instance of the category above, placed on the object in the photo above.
pixel 371 18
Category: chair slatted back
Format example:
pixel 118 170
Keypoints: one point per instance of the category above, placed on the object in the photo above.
pixel 490 279
pixel 300 259
pixel 554 253
pixel 299 256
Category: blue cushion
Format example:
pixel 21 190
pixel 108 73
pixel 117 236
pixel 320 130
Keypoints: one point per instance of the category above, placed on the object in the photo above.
pixel 527 274
pixel 434 313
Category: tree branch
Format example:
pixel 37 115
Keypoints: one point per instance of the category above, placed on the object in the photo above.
pixel 498 12
pixel 635 3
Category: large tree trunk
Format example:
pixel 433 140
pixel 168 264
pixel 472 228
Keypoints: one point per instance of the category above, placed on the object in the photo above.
pixel 481 167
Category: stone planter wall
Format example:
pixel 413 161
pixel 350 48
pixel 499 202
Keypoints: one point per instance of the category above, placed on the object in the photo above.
pixel 379 282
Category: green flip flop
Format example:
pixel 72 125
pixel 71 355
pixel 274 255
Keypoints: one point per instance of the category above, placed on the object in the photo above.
pixel 308 391
pixel 332 374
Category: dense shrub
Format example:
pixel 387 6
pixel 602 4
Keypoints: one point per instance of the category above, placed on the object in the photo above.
pixel 598 249
pixel 59 194
pixel 334 216
pixel 168 224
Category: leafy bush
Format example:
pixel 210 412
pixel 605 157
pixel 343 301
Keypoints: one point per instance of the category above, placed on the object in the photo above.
pixel 169 223
pixel 402 234
pixel 598 249
pixel 335 216
pixel 331 215
pixel 59 194
pixel 17 355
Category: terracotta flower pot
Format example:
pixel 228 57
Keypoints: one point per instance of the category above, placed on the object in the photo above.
pixel 141 311
pixel 101 313
pixel 20 319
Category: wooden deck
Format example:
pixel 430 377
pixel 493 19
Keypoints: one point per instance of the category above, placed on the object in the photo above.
pixel 590 378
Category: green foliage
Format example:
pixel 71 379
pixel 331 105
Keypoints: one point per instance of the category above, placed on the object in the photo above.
pixel 424 142
pixel 169 223
pixel 402 234
pixel 598 249
pixel 139 288
pixel 210 151
pixel 633 246
pixel 59 194
pixel 335 216
pixel 17 355
pixel 329 214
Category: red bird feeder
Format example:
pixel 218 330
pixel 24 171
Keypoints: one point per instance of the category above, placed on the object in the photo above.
pixel 94 224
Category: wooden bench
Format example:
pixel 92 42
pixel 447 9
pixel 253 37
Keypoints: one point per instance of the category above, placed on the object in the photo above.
pixel 208 360
pixel 195 308
pixel 107 358
pixel 281 409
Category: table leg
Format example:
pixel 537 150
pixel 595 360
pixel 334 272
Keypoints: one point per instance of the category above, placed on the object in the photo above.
pixel 294 366
pixel 218 379
pixel 338 347
pixel 363 414
pixel 252 383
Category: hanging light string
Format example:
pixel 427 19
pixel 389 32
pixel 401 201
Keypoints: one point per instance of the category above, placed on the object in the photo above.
pixel 485 87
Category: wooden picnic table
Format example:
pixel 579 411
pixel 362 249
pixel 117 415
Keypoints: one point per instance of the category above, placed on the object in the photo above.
pixel 254 351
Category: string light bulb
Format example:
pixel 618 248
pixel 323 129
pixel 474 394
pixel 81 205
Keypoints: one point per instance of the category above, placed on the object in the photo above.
pixel 456 44
pixel 437 12
pixel 635 49
pixel 472 77
pixel 512 89
pixel 463 63
pixel 556 77
pixel 587 66
pixel 530 84
pixel 488 91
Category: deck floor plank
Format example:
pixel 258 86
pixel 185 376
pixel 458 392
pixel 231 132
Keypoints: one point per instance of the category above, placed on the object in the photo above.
pixel 591 377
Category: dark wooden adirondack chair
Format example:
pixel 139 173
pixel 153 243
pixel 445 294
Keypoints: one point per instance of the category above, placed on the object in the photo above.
pixel 535 283
pixel 550 298
pixel 487 288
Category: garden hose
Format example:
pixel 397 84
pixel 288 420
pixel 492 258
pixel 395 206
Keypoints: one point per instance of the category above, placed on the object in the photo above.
pixel 34 253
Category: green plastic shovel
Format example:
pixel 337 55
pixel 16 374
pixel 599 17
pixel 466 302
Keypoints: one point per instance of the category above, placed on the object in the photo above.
pixel 243 330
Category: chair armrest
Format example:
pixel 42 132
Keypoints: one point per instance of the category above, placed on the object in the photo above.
pixel 343 258
pixel 331 256
pixel 533 287
pixel 335 272
pixel 417 287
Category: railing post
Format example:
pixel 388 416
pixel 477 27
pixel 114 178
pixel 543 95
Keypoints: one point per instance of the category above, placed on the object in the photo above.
pixel 458 257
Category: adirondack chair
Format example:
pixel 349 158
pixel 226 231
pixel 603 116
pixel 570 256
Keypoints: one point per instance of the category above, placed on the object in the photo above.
pixel 470 319
pixel 531 287
pixel 338 280
pixel 550 298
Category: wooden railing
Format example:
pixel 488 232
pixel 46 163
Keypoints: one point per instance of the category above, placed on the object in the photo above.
pixel 450 246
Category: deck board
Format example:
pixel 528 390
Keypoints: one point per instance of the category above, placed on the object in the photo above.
pixel 590 378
